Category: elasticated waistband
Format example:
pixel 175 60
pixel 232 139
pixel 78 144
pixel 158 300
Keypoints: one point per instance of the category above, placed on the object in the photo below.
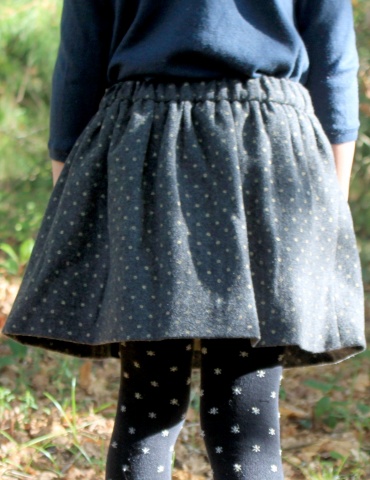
pixel 261 89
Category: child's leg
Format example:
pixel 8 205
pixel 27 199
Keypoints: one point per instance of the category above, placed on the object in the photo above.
pixel 239 410
pixel 152 404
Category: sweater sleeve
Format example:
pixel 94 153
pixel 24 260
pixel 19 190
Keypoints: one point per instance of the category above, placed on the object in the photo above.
pixel 327 29
pixel 80 72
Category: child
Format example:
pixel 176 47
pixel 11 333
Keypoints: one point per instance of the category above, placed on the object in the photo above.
pixel 197 197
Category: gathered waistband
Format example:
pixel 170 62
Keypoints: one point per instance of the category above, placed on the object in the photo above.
pixel 261 89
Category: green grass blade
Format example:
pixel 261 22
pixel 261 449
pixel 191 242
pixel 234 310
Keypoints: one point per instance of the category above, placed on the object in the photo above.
pixel 73 401
pixel 61 410
pixel 8 437
pixel 9 251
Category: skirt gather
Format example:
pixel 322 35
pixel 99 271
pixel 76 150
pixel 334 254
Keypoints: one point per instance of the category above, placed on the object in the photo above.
pixel 197 209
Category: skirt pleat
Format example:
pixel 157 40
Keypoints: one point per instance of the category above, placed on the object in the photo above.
pixel 201 209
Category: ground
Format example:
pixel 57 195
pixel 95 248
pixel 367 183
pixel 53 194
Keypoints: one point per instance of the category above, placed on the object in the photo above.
pixel 51 427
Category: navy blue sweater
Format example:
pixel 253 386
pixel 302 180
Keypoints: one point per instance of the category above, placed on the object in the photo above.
pixel 105 41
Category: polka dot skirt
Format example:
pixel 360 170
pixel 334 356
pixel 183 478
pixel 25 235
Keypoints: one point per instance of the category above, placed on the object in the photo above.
pixel 200 209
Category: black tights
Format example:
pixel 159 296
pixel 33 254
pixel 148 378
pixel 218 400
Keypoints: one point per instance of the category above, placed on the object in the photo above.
pixel 239 409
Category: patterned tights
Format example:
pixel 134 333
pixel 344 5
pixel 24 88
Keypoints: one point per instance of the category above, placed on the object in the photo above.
pixel 239 409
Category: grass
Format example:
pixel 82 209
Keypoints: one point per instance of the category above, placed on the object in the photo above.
pixel 42 433
pixel 333 441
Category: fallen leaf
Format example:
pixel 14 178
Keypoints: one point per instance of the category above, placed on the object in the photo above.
pixel 85 374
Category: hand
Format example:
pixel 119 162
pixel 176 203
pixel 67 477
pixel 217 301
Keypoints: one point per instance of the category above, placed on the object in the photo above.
pixel 57 168
pixel 343 156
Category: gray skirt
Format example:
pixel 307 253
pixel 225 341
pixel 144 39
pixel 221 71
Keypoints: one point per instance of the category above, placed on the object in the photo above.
pixel 197 209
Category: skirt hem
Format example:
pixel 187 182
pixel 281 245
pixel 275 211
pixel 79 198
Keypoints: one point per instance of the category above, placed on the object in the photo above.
pixel 293 356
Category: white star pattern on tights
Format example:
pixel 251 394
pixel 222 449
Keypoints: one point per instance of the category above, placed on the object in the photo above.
pixel 114 444
pixel 152 415
pixel 237 467
pixel 219 449
pixel 150 353
pixel 160 469
pixel 137 364
pixel 256 448
pixel 213 411
pixel 138 396
pixel 261 373
pixel 154 384
pixel 145 450
pixel 274 468
pixel 174 369
pixel 271 431
pixel 165 433
pixel 204 351
pixel 255 410
pixel 131 430
pixel 123 408
pixel 125 468
pixel 273 395
pixel 174 401
pixel 235 429
pixel 217 371
pixel 244 354
pixel 237 391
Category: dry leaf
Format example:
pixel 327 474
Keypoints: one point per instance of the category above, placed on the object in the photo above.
pixel 290 411
pixel 46 476
pixel 342 447
pixel 362 382
pixel 183 475
pixel 85 374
